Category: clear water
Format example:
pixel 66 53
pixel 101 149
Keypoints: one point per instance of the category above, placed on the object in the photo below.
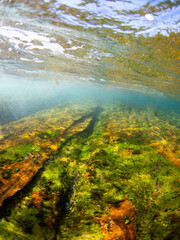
pixel 59 49
pixel 121 59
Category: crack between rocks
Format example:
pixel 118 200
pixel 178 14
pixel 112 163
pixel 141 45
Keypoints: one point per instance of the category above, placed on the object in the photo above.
pixel 64 198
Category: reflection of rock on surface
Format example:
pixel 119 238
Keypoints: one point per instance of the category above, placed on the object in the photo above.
pixel 119 223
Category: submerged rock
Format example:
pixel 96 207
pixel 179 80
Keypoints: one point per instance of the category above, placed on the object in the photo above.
pixel 92 182
pixel 59 123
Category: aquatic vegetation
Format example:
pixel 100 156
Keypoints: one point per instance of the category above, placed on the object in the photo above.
pixel 26 150
pixel 118 223
pixel 104 164
pixel 107 175
pixel 47 134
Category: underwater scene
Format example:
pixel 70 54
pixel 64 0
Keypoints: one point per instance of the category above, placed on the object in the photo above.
pixel 89 120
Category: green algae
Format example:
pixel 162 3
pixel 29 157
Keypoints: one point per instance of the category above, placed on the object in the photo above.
pixel 85 177
pixel 17 153
pixel 47 134
pixel 16 170
pixel 9 232
pixel 138 176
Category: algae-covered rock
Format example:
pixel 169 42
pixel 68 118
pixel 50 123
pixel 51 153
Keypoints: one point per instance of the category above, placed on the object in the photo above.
pixel 108 175
pixel 31 141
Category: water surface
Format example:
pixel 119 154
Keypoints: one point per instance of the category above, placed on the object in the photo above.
pixel 121 44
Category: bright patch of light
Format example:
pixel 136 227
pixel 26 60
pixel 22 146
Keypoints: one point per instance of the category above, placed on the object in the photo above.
pixel 149 17
pixel 18 36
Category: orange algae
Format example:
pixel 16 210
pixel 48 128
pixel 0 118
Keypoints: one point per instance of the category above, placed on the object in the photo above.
pixel 125 153
pixel 37 198
pixel 166 152
pixel 87 174
pixel 54 147
pixel 114 225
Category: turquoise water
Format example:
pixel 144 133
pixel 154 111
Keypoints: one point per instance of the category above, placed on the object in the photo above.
pixel 55 51
pixel 59 49
pixel 22 98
